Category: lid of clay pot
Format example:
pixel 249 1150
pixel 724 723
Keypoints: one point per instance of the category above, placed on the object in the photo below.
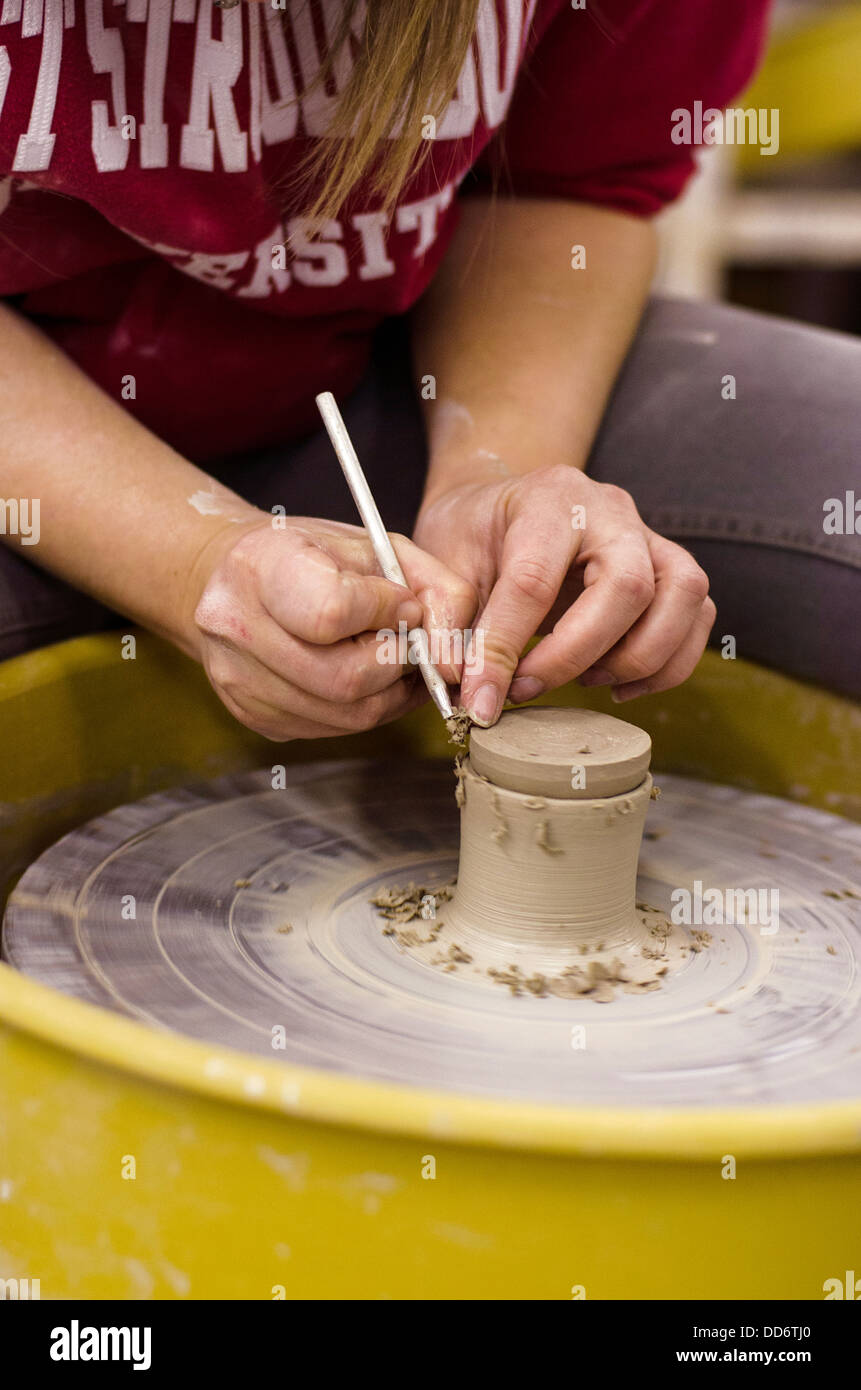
pixel 569 753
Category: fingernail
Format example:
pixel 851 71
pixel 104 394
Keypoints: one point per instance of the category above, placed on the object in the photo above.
pixel 629 692
pixel 486 705
pixel 596 677
pixel 525 688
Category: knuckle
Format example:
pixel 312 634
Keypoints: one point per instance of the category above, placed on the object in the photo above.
pixel 268 729
pixel 636 587
pixel 558 475
pixel 329 617
pixel 220 669
pixel 210 610
pixel 351 720
pixel 628 535
pixel 347 684
pixel 532 580
pixel 635 667
pixel 201 614
pixel 710 611
pixel 366 713
pixel 465 596
pixel 243 555
pixel 234 693
pixel 257 723
pixel 240 570
pixel 497 654
pixel 619 496
pixel 373 711
pixel 691 579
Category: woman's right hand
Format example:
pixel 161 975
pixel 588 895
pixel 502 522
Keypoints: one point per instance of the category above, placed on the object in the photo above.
pixel 285 622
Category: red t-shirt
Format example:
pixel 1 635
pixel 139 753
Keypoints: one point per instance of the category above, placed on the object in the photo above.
pixel 140 141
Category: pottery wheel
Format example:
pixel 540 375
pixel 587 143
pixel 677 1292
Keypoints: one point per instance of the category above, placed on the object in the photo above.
pixel 252 921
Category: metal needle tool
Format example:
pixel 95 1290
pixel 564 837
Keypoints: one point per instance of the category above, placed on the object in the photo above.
pixel 368 511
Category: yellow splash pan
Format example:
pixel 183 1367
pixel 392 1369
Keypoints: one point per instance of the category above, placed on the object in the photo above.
pixel 135 1163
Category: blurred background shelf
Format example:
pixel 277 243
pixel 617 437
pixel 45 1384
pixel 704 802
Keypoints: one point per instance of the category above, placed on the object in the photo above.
pixel 783 233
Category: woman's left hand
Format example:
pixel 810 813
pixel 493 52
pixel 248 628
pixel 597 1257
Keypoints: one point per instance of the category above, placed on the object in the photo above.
pixel 553 551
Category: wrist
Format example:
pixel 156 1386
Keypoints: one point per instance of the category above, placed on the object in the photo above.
pixel 212 548
pixel 442 488
pixel 468 469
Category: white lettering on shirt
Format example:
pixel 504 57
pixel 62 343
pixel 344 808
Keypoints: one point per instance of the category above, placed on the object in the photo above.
pixel 267 277
pixel 215 270
pixel 255 63
pixel 422 216
pixel 5 69
pixel 275 106
pixel 153 130
pixel 315 260
pixel 371 227
pixel 317 105
pixel 459 118
pixel 31 24
pixel 279 118
pixel 36 144
pixel 110 149
pixel 11 12
pixel 495 97
pixel 218 271
pixel 217 64
pixel 325 248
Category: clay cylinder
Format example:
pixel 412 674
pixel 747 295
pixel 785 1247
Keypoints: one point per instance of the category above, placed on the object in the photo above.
pixel 555 872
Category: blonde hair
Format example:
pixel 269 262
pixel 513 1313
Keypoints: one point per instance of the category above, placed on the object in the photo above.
pixel 407 63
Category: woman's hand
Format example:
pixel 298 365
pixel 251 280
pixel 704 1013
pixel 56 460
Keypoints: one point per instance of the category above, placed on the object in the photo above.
pixel 553 551
pixel 286 624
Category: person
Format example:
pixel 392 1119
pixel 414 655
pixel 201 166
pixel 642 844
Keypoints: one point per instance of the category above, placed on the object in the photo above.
pixel 442 211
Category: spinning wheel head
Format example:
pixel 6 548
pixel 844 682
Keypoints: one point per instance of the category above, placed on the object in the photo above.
pixel 235 913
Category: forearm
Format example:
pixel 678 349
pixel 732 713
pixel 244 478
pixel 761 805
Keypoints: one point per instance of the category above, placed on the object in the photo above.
pixel 525 349
pixel 116 518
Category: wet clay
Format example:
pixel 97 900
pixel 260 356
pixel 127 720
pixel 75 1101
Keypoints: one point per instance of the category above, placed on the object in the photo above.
pixel 545 901
pixel 459 726
pixel 564 753
pixel 553 804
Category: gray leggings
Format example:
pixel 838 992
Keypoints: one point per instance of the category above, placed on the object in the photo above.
pixel 741 483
